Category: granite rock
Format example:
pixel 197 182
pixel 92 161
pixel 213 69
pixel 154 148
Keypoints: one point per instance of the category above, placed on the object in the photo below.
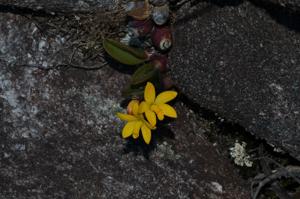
pixel 239 62
pixel 60 138
pixel 22 43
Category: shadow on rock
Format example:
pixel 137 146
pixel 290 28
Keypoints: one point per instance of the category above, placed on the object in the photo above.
pixel 118 66
pixel 24 11
pixel 225 126
pixel 197 13
pixel 223 3
pixel 138 146
pixel 212 4
pixel 282 15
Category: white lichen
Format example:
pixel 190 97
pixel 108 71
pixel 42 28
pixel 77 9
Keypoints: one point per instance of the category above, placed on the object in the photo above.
pixel 42 46
pixel 239 154
pixel 216 187
pixel 103 109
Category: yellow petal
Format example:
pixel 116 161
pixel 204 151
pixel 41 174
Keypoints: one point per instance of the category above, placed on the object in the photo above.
pixel 146 132
pixel 148 125
pixel 160 115
pixel 158 111
pixel 168 110
pixel 165 97
pixel 126 117
pixel 149 93
pixel 128 129
pixel 135 136
pixel 136 129
pixel 144 106
pixel 133 107
pixel 151 117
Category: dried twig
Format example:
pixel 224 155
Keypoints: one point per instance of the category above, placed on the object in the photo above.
pixel 263 179
pixel 66 66
pixel 265 164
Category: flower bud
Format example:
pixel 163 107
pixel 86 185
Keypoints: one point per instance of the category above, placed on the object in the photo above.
pixel 160 62
pixel 132 107
pixel 162 38
pixel 142 27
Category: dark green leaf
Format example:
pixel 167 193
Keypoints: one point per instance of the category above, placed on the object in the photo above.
pixel 133 92
pixel 124 54
pixel 143 74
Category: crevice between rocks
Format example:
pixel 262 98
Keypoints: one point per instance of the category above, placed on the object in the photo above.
pixel 282 15
pixel 228 128
pixel 41 11
pixel 228 132
pixel 222 123
pixel 17 10
pixel 286 16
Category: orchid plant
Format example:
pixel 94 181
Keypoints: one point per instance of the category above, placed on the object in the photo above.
pixel 141 116
pixel 147 23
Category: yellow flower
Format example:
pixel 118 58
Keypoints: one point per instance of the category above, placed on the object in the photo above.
pixel 135 123
pixel 157 105
pixel 133 107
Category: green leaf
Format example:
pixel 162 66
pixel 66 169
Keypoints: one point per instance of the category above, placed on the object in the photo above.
pixel 133 92
pixel 124 54
pixel 143 74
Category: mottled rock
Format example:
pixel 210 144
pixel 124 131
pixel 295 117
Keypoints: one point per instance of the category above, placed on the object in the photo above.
pixel 60 137
pixel 239 62
pixel 22 43
pixel 54 42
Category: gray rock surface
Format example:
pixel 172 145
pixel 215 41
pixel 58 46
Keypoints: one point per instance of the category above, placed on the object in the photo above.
pixel 60 5
pixel 59 137
pixel 22 43
pixel 239 62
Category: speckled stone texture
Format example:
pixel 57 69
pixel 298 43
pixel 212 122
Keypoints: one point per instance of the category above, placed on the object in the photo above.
pixel 238 61
pixel 59 137
pixel 32 47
